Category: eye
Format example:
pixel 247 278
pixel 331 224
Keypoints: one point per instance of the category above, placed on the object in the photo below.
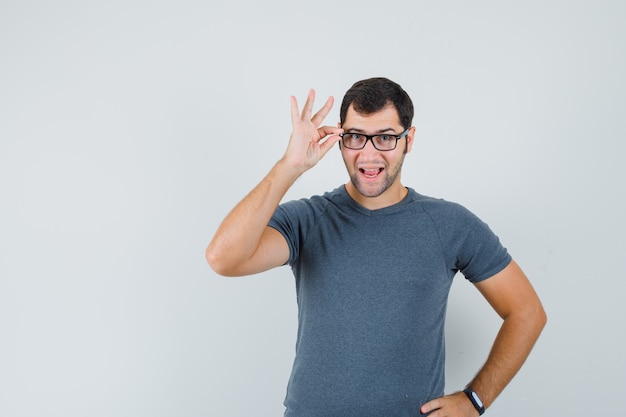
pixel 355 136
pixel 385 138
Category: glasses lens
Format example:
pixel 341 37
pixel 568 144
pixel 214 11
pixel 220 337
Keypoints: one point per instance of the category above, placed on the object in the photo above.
pixel 354 140
pixel 384 142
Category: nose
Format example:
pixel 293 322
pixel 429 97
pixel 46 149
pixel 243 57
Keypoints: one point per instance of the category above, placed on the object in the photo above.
pixel 368 153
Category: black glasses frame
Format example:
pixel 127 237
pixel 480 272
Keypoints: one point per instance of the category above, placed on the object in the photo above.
pixel 370 138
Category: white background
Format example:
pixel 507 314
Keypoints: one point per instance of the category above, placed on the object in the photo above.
pixel 130 128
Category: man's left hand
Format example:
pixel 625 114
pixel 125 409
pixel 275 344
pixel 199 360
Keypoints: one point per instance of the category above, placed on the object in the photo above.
pixel 453 405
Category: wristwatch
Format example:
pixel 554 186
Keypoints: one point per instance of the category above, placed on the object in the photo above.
pixel 475 399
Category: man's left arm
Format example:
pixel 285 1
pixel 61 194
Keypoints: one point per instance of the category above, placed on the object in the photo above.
pixel 512 296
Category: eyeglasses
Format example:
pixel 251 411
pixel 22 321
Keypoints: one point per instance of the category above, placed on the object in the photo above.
pixel 358 141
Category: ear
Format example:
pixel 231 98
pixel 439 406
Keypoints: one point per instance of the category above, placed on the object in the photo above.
pixel 409 139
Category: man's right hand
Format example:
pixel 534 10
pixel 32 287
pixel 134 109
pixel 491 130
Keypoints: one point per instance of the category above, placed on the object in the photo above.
pixel 309 142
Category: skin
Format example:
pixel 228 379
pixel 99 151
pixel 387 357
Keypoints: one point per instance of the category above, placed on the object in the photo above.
pixel 384 188
pixel 245 245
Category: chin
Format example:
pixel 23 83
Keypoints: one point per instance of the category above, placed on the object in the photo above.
pixel 370 192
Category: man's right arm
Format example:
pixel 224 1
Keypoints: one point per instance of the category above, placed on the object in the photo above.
pixel 244 244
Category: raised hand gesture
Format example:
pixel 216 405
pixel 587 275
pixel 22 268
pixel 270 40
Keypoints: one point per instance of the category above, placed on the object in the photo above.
pixel 309 142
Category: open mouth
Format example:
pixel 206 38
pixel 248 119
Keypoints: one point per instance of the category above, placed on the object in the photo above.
pixel 371 173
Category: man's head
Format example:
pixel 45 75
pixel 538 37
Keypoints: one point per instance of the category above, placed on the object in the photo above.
pixel 376 117
pixel 373 94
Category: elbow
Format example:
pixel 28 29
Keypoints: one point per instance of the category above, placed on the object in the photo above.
pixel 217 262
pixel 529 319
pixel 537 317
pixel 539 314
pixel 542 317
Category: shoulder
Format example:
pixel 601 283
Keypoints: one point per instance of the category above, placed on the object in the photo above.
pixel 439 208
pixel 305 212
pixel 451 219
pixel 315 203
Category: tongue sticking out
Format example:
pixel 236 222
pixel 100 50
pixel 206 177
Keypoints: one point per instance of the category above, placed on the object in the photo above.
pixel 371 173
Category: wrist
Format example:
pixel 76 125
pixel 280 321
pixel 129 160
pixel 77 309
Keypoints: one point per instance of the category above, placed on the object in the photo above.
pixel 286 171
pixel 475 400
pixel 290 169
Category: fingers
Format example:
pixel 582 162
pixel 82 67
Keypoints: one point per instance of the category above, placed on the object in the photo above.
pixel 329 130
pixel 323 112
pixel 430 406
pixel 295 113
pixel 308 105
pixel 455 404
pixel 329 142
pixel 309 142
pixel 307 110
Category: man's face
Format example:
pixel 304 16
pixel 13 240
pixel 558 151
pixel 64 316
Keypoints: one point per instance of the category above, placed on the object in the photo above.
pixel 375 175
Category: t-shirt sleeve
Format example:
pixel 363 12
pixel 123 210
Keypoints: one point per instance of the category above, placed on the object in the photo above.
pixel 294 219
pixel 471 246
pixel 284 220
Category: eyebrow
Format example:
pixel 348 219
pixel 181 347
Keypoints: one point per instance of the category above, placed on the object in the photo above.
pixel 380 131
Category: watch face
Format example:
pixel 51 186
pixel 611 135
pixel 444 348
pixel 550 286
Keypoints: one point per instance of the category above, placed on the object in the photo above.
pixel 475 396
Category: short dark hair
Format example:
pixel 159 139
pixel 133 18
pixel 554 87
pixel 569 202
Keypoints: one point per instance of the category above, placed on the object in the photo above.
pixel 373 94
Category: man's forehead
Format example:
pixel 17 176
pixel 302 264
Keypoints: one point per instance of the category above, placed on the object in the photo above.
pixel 387 117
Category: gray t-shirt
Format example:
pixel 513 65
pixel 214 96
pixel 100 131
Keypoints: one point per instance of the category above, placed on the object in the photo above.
pixel 372 289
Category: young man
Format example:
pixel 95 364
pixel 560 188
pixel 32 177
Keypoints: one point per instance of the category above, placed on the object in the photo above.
pixel 373 262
